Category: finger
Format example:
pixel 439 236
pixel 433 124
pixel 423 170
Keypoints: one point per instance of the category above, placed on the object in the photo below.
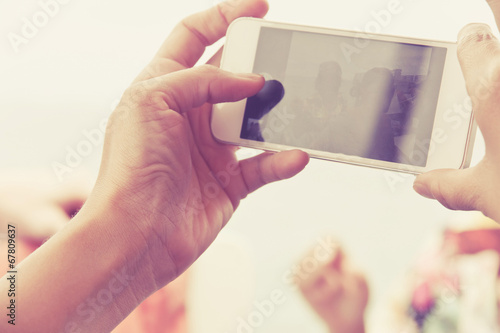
pixel 479 55
pixel 190 88
pixel 337 260
pixel 322 277
pixel 189 39
pixel 454 189
pixel 315 283
pixel 334 254
pixel 495 8
pixel 187 42
pixel 267 168
pixel 335 286
pixel 477 49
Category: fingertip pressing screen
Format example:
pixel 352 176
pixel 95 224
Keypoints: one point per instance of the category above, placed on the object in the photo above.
pixel 338 94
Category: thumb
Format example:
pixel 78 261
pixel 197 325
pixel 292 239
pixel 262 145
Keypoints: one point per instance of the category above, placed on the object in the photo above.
pixel 495 8
pixel 478 51
pixel 454 189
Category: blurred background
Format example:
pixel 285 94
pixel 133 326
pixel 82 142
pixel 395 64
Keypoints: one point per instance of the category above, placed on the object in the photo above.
pixel 66 78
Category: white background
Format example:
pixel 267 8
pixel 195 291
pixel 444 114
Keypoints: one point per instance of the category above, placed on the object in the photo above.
pixel 66 79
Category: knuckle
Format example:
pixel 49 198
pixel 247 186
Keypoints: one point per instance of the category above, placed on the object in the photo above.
pixel 224 9
pixel 195 24
pixel 209 70
pixel 136 93
pixel 143 95
pixel 451 198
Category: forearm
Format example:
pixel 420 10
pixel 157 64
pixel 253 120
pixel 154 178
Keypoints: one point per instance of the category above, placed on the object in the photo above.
pixel 88 277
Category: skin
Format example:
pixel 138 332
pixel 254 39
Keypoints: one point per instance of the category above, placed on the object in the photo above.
pixel 338 294
pixel 165 189
pixel 477 188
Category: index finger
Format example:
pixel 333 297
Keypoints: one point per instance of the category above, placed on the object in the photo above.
pixel 189 39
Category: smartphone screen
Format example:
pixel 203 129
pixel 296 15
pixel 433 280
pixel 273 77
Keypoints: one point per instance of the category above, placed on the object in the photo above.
pixel 353 96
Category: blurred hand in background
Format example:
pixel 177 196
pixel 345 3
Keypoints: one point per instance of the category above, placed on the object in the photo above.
pixel 338 294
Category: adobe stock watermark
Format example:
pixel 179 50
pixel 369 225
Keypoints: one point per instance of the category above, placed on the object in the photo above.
pixel 455 116
pixel 277 123
pixel 32 24
pixel 92 307
pixel 262 310
pixel 380 19
pixel 92 139
pixel 291 278
pixel 424 149
pixel 322 252
pixel 277 128
pixel 211 190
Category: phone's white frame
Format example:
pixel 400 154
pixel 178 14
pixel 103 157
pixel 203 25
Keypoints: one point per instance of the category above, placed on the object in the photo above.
pixel 239 56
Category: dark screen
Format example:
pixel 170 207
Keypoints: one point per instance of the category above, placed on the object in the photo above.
pixel 366 98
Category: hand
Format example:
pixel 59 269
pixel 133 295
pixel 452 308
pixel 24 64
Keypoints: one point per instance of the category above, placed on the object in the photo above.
pixel 477 188
pixel 37 209
pixel 338 294
pixel 162 171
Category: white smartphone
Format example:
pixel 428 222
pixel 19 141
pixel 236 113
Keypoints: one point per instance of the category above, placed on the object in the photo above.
pixel 373 100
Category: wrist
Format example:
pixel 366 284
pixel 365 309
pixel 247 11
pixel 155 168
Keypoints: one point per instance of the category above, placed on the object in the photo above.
pixel 148 223
pixel 141 230
pixel 94 272
pixel 119 274
pixel 126 235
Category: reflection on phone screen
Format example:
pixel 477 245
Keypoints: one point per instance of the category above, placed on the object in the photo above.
pixel 352 96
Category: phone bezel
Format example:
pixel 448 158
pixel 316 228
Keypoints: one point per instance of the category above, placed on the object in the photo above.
pixel 239 56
